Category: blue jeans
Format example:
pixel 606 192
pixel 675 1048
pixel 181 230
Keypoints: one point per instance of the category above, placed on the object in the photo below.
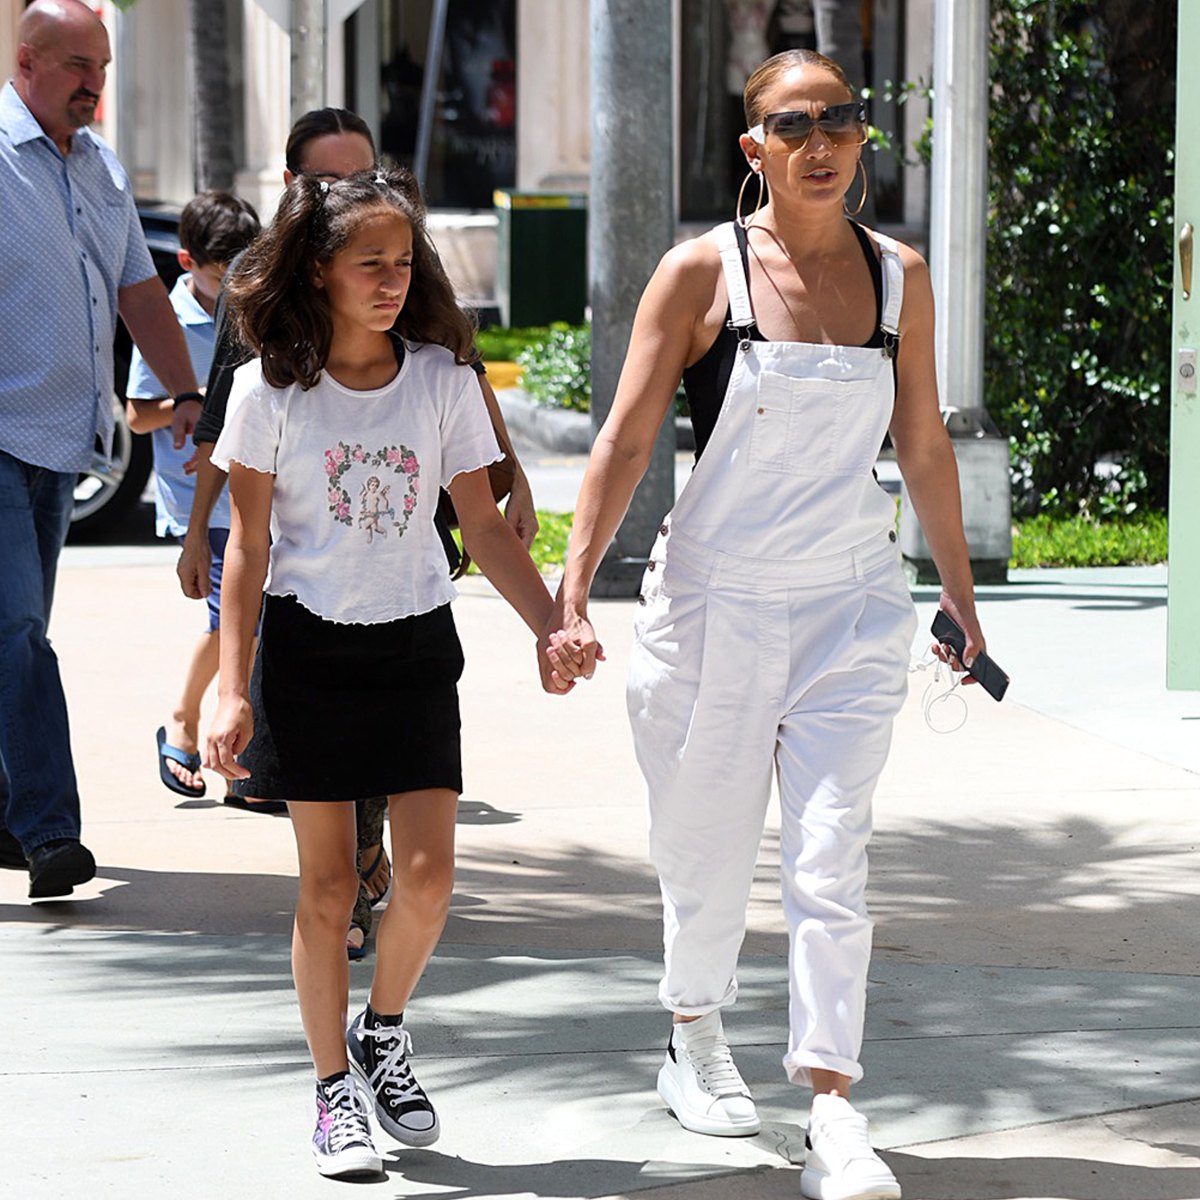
pixel 39 801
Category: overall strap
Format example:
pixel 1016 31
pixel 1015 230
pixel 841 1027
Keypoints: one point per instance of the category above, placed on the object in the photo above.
pixel 893 288
pixel 731 239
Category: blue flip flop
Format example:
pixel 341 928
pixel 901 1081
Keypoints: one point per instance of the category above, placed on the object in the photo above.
pixel 190 762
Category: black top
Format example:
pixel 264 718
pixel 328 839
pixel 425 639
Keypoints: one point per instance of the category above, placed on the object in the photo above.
pixel 707 380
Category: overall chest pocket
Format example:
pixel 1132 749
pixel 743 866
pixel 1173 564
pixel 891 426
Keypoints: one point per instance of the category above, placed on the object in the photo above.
pixel 818 427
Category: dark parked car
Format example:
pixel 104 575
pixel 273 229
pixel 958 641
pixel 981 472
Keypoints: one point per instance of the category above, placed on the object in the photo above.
pixel 106 492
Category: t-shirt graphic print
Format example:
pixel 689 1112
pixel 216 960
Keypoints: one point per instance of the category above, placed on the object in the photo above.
pixel 371 476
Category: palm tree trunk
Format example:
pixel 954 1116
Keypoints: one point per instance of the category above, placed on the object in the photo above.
pixel 212 95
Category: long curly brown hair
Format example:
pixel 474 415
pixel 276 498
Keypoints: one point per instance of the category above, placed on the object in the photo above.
pixel 286 320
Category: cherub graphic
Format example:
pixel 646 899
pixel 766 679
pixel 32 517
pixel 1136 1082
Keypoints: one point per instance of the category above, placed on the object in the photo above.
pixel 374 507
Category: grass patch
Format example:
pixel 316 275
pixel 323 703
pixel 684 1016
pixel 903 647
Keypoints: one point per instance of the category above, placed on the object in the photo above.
pixel 550 545
pixel 504 343
pixel 1045 541
pixel 1041 541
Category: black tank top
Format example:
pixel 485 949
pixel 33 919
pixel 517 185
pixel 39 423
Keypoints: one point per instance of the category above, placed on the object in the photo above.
pixel 707 380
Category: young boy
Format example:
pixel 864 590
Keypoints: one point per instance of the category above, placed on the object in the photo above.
pixel 213 229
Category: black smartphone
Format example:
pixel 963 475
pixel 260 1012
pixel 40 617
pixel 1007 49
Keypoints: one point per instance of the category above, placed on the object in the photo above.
pixel 984 670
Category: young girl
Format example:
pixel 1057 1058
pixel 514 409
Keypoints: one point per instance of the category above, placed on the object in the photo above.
pixel 353 693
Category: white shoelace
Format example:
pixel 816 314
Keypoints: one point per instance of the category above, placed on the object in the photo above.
pixel 392 1074
pixel 349 1124
pixel 710 1056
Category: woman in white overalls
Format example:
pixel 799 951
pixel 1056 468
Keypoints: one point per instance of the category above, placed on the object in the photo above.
pixel 775 624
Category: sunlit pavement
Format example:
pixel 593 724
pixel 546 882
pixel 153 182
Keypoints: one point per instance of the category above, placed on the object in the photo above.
pixel 1033 1006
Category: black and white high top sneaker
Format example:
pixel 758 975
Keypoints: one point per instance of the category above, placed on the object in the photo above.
pixel 341 1142
pixel 379 1060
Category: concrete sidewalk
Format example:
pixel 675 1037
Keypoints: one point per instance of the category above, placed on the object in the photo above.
pixel 1033 1011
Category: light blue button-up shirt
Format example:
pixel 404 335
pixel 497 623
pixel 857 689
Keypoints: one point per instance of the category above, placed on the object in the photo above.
pixel 69 240
pixel 174 488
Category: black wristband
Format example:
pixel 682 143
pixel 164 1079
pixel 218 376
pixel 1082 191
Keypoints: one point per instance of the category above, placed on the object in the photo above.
pixel 183 397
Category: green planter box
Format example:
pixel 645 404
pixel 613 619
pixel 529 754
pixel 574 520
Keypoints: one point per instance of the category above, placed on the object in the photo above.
pixel 541 257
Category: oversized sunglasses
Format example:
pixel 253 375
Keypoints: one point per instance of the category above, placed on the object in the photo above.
pixel 842 124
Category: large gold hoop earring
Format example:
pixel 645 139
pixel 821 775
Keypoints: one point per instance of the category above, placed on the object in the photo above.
pixel 863 198
pixel 737 211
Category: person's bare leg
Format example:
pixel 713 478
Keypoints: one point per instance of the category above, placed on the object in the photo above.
pixel 325 842
pixel 422 826
pixel 830 1081
pixel 183 729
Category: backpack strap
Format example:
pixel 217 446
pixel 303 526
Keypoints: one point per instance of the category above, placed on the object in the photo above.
pixel 732 247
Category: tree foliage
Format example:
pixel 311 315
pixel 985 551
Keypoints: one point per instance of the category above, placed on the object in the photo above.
pixel 1079 249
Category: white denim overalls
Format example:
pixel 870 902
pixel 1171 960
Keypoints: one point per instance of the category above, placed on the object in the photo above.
pixel 775 631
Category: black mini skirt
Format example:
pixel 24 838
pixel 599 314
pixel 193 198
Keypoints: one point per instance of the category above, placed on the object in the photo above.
pixel 343 712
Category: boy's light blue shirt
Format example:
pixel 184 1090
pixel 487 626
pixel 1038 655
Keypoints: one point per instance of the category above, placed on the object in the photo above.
pixel 173 490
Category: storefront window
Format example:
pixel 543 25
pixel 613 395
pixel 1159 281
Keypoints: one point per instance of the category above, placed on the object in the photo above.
pixel 472 123
pixel 724 40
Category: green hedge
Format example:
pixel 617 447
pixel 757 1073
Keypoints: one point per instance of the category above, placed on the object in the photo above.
pixel 557 371
pixel 1079 250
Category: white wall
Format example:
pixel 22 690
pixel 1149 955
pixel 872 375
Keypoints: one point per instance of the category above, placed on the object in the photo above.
pixel 553 112
pixel 918 64
pixel 153 123
pixel 267 109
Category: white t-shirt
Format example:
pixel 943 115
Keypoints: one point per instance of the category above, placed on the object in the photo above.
pixel 356 481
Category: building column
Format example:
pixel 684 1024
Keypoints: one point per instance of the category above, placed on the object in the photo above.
pixel 266 107
pixel 957 260
pixel 553 100
pixel 631 224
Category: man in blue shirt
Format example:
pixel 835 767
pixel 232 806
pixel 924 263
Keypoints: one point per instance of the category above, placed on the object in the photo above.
pixel 72 256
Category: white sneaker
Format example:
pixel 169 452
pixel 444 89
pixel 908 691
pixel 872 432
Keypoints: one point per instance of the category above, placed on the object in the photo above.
pixel 841 1164
pixel 700 1084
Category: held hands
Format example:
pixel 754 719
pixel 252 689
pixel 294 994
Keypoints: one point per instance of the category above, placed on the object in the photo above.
pixel 228 735
pixel 965 616
pixel 567 650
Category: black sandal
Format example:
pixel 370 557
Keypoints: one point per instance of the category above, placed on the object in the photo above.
pixel 366 874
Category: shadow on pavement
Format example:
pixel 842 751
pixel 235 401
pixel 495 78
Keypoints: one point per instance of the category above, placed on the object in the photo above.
pixel 1068 892
pixel 1057 1178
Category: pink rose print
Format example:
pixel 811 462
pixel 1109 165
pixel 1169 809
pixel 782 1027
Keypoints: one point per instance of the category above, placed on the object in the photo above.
pixel 379 512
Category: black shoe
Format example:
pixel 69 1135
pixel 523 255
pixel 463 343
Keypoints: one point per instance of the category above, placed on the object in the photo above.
pixel 273 807
pixel 56 867
pixel 379 1060
pixel 11 855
